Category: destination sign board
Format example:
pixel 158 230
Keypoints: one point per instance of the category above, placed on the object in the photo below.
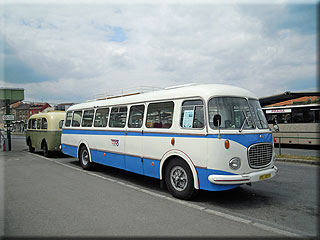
pixel 287 110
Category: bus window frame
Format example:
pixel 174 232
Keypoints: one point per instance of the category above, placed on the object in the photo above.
pixel 82 117
pixel 158 102
pixel 39 121
pixel 42 123
pixel 119 107
pixel 143 115
pixel 194 106
pixel 67 117
pixel 71 125
pixel 95 115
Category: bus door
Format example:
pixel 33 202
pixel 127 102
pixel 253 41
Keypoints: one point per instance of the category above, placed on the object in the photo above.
pixel 133 147
pixel 117 138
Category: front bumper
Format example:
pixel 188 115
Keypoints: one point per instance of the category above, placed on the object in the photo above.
pixel 245 178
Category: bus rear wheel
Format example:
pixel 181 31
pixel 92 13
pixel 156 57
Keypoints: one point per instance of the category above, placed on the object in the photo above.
pixel 84 158
pixel 179 179
pixel 46 152
pixel 31 149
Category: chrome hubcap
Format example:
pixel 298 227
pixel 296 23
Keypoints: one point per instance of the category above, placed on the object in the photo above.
pixel 85 157
pixel 178 178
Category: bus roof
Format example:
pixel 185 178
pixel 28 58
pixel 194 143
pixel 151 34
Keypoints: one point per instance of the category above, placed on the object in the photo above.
pixel 48 114
pixel 205 91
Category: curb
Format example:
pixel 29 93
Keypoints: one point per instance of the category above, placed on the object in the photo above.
pixel 313 162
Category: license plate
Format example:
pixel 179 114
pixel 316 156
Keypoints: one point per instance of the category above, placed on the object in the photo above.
pixel 265 176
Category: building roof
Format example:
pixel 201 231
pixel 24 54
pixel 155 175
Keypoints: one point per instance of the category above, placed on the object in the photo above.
pixel 15 105
pixel 295 101
pixel 36 106
pixel 23 106
pixel 63 104
pixel 265 101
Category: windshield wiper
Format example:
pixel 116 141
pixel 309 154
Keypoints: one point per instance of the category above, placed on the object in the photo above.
pixel 245 120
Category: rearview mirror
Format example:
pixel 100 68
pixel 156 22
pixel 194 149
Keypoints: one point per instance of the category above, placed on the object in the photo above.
pixel 217 120
pixel 276 127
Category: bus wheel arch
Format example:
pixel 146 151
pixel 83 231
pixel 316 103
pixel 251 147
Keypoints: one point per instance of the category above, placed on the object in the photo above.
pixel 84 156
pixel 171 156
pixel 80 145
pixel 179 178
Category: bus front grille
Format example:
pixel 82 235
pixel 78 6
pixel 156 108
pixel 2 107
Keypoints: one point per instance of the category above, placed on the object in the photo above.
pixel 260 155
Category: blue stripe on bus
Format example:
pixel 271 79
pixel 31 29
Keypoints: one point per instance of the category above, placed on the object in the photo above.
pixel 111 159
pixel 134 133
pixel 205 184
pixel 91 132
pixel 147 167
pixel 243 139
pixel 70 150
pixel 246 139
pixel 172 135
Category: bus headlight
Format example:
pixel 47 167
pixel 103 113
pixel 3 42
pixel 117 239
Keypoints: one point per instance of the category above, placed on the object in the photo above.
pixel 235 163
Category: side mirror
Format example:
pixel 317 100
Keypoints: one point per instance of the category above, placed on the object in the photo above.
pixel 276 127
pixel 61 124
pixel 217 120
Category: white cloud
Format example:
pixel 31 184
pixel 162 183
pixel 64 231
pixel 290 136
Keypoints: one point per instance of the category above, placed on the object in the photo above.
pixel 166 44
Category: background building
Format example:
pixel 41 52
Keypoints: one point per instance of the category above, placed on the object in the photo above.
pixel 37 107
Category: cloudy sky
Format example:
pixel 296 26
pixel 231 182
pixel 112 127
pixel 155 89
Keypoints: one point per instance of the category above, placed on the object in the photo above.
pixel 76 52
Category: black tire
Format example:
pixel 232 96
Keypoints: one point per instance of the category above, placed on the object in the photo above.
pixel 84 158
pixel 46 152
pixel 179 179
pixel 31 149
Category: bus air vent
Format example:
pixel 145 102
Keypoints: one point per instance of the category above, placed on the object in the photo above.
pixel 260 155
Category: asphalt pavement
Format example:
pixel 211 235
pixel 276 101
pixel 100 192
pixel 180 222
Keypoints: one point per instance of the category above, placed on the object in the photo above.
pixel 55 197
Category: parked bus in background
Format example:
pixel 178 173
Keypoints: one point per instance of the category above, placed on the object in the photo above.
pixel 44 131
pixel 211 137
pixel 298 124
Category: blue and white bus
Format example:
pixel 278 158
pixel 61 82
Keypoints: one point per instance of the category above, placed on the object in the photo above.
pixel 212 137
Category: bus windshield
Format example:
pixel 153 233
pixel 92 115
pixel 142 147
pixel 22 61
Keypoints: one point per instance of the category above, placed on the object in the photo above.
pixel 258 114
pixel 234 111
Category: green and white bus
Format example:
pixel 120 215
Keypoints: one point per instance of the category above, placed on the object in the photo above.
pixel 44 131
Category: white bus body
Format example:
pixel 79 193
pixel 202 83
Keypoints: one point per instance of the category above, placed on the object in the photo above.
pixel 170 135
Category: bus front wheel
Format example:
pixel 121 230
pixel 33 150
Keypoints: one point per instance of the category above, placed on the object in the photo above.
pixel 179 179
pixel 84 158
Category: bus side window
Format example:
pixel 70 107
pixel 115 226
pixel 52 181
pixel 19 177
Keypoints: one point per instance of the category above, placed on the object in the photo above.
pixel 33 123
pixel 68 119
pixel 159 115
pixel 192 114
pixel 39 123
pixel 87 118
pixel 136 116
pixel 76 120
pixel 101 118
pixel 118 117
pixel 30 124
pixel 44 123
